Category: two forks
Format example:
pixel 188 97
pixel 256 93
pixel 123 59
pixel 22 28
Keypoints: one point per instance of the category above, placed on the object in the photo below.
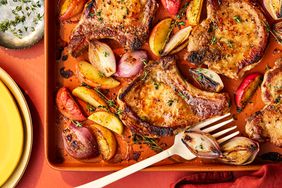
pixel 178 148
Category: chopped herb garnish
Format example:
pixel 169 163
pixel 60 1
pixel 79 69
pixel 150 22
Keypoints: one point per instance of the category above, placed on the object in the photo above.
pixel 3 2
pixel 77 123
pixel 213 40
pixel 119 111
pixel 181 23
pixel 101 75
pixel 237 19
pixel 111 103
pixel 200 77
pixel 99 13
pixel 4 26
pixel 100 19
pixel 106 54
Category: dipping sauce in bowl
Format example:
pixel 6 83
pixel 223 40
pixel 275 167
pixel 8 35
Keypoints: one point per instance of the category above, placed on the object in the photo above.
pixel 21 23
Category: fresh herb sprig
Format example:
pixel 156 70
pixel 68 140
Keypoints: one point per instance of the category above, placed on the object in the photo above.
pixel 77 123
pixel 182 11
pixel 273 33
pixel 111 103
pixel 151 142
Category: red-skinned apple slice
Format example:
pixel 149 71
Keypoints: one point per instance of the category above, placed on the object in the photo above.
pixel 71 8
pixel 246 89
pixel 67 105
pixel 172 6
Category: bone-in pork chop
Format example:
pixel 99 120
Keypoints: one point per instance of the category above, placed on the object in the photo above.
pixel 160 101
pixel 126 21
pixel 231 40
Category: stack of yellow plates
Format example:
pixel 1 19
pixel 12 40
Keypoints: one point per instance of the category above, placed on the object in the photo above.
pixel 15 132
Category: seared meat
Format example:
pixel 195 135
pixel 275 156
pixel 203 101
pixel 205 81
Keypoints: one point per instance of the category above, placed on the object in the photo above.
pixel 126 21
pixel 231 40
pixel 272 84
pixel 266 125
pixel 160 101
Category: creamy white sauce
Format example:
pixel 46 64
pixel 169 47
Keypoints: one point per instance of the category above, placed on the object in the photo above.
pixel 21 20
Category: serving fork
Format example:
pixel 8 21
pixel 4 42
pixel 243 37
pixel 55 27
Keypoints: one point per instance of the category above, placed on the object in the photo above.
pixel 178 148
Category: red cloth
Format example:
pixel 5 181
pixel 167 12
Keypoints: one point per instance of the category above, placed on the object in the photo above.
pixel 269 176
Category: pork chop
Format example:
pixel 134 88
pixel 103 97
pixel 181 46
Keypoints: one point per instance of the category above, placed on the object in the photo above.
pixel 266 125
pixel 160 101
pixel 126 21
pixel 231 40
pixel 272 84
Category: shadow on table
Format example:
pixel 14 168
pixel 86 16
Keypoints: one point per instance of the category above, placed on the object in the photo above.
pixel 36 158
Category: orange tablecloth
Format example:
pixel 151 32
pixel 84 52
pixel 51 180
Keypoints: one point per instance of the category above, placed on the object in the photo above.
pixel 27 69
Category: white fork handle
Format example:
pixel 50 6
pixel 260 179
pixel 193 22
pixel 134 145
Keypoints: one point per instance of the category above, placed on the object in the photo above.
pixel 128 170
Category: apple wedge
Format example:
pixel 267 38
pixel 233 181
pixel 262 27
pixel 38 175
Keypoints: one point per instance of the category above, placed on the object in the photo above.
pixel 274 8
pixel 68 106
pixel 89 95
pixel 193 13
pixel 246 89
pixel 106 141
pixel 90 75
pixel 108 120
pixel 160 36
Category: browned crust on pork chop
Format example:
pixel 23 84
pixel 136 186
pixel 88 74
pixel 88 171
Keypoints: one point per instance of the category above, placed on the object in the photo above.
pixel 126 21
pixel 266 125
pixel 272 84
pixel 231 40
pixel 160 101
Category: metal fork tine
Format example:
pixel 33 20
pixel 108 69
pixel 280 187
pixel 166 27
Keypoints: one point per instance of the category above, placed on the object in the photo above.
pixel 217 126
pixel 209 121
pixel 228 137
pixel 218 134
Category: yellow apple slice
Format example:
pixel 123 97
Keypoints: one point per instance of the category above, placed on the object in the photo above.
pixel 108 120
pixel 194 10
pixel 106 141
pixel 90 75
pixel 89 95
pixel 160 36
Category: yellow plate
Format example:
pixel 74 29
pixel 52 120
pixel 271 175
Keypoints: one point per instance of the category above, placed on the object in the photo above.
pixel 27 127
pixel 11 134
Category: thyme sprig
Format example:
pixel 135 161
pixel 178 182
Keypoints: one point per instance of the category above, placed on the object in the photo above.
pixel 182 11
pixel 111 103
pixel 151 142
pixel 273 33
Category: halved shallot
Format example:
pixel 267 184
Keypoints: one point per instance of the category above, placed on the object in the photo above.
pixel 177 41
pixel 102 57
pixel 131 63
